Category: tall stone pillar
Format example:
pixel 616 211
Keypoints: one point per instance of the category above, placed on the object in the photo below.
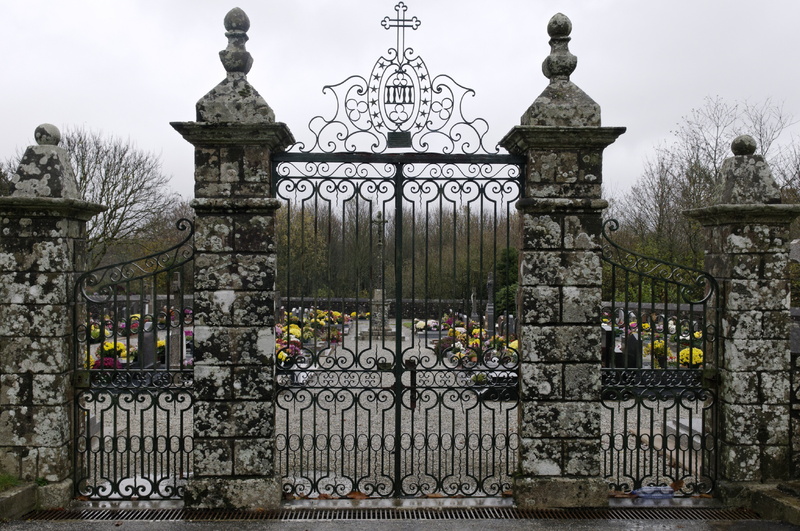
pixel 747 251
pixel 560 280
pixel 42 250
pixel 234 137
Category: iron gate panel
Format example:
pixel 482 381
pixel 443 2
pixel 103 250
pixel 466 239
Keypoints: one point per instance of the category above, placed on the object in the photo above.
pixel 396 212
pixel 659 384
pixel 362 408
pixel 133 376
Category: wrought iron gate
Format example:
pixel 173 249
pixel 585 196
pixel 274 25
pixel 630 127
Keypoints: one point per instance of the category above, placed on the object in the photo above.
pixel 394 377
pixel 133 376
pixel 659 379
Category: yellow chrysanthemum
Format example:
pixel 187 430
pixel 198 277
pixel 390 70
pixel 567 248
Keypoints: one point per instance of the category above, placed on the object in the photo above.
pixel 690 356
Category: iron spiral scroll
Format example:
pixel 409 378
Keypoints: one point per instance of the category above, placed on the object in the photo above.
pixel 133 333
pixel 659 396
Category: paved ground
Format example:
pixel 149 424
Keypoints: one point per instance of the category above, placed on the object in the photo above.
pixel 427 525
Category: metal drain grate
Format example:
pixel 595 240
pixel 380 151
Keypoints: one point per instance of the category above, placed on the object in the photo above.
pixel 478 513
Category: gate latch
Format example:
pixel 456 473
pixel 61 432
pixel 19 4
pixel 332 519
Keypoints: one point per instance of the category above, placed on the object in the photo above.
pixel 82 379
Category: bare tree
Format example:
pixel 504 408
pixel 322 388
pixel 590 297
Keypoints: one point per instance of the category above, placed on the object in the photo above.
pixel 684 173
pixel 113 172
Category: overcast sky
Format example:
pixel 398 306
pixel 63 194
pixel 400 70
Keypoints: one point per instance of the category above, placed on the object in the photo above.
pixel 129 67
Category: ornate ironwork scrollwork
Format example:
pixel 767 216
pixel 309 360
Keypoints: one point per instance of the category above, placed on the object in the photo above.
pixel 399 105
pixel 133 338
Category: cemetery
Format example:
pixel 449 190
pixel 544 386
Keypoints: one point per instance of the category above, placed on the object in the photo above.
pixel 335 322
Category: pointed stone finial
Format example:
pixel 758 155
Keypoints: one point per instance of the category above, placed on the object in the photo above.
pixel 562 104
pixel 748 178
pixel 235 100
pixel 235 58
pixel 560 63
pixel 45 169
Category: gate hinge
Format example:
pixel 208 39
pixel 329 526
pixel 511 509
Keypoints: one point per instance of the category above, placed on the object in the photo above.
pixel 82 379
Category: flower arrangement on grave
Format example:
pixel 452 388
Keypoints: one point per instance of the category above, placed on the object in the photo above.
pixel 94 332
pixel 458 352
pixel 657 349
pixel 288 343
pixel 334 335
pixel 660 353
pixel 109 355
pixel 690 357
pixel 479 333
pixel 134 323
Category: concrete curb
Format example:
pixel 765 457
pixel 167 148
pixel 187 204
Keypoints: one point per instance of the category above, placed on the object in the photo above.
pixel 766 499
pixel 17 501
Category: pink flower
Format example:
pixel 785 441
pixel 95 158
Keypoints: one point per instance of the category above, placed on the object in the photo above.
pixel 107 363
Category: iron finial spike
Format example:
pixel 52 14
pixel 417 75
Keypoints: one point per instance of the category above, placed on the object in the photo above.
pixel 560 63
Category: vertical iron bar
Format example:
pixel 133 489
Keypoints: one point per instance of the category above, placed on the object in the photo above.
pixel 398 319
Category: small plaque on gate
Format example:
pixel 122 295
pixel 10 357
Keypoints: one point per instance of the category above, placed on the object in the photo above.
pixel 398 139
pixel 82 379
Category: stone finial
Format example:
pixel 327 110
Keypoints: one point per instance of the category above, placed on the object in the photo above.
pixel 47 135
pixel 45 169
pixel 747 177
pixel 560 63
pixel 235 100
pixel 743 145
pixel 235 58
pixel 562 104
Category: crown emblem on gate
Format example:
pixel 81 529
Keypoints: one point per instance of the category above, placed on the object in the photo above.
pixel 399 106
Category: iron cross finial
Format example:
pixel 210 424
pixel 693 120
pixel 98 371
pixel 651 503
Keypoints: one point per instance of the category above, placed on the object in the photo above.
pixel 401 23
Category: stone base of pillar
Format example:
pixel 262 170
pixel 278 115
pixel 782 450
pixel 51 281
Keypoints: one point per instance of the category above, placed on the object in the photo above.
pixel 55 495
pixel 233 493
pixel 552 492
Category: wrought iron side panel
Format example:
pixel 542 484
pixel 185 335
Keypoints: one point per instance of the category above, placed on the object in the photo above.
pixel 369 403
pixel 133 376
pixel 658 379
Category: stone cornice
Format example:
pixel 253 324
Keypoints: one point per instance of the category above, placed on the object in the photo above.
pixel 560 204
pixel 522 138
pixel 236 205
pixel 731 213
pixel 275 136
pixel 49 206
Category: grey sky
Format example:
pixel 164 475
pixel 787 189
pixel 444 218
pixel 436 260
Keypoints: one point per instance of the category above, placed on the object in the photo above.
pixel 129 67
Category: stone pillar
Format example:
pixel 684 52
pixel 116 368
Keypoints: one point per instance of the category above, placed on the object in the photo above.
pixel 234 137
pixel 42 249
pixel 747 251
pixel 560 281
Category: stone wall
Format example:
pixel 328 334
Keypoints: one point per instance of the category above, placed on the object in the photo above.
pixel 234 344
pixel 747 238
pixel 560 284
pixel 42 248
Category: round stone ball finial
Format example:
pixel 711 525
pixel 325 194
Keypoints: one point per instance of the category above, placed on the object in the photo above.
pixel 47 135
pixel 560 64
pixel 237 20
pixel 743 145
pixel 559 26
